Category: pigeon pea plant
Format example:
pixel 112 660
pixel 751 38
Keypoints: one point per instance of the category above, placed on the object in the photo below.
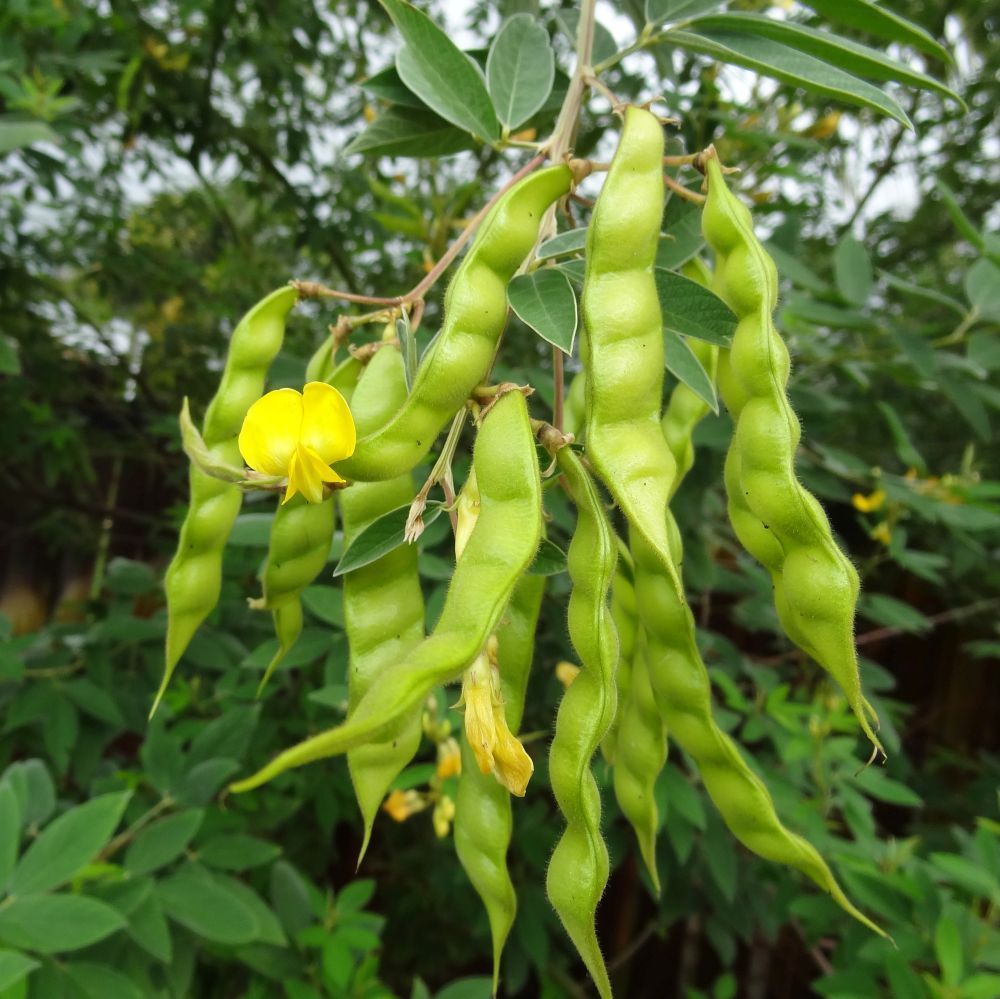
pixel 154 889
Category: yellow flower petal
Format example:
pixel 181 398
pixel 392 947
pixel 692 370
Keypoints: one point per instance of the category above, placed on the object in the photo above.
pixel 270 431
pixel 327 424
pixel 306 475
pixel 513 766
pixel 870 503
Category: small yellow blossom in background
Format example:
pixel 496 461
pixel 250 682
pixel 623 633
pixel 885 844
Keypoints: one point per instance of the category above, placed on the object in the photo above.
pixel 882 533
pixel 566 672
pixel 869 503
pixel 442 817
pixel 449 762
pixel 400 805
pixel 299 435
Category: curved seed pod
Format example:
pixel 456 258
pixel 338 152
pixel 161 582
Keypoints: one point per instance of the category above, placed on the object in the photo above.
pixel 686 409
pixel 298 549
pixel 578 870
pixel 194 578
pixel 622 345
pixel 624 614
pixel 642 752
pixel 383 602
pixel 483 821
pixel 816 586
pixel 475 313
pixel 501 547
pixel 683 694
pixel 321 364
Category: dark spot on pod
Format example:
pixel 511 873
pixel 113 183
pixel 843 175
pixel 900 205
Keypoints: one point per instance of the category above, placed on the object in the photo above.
pixel 394 742
pixel 766 528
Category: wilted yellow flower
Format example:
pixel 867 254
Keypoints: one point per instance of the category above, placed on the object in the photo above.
pixel 400 805
pixel 566 672
pixel 299 435
pixel 496 749
pixel 867 504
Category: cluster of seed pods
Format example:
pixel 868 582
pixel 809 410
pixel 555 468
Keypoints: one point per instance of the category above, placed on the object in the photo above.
pixel 641 678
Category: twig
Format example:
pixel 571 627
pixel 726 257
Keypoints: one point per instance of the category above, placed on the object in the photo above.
pixel 314 289
pixel 682 192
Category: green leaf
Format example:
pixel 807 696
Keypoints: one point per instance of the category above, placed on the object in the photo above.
pixel 544 300
pixel 683 798
pixel 550 559
pixel 252 530
pixel 35 792
pixel 683 365
pixel 680 238
pixel 969 876
pixel 962 221
pixel 661 11
pixel 201 783
pixel 892 613
pixel 721 857
pixel 10 356
pixel 789 266
pixel 98 981
pixel 148 927
pixel 408 347
pixel 877 785
pixel 853 57
pixel 983 986
pixel 387 85
pixel 693 310
pixel 574 270
pixel 68 844
pixel 880 22
pixel 14 967
pixel 440 74
pixel 10 830
pixel 948 950
pixel 571 241
pixel 354 896
pixel 605 46
pixel 163 841
pixel 771 58
pixel 410 132
pixel 467 988
pixel 17 134
pixel 922 291
pixel 380 537
pixel 237 851
pixel 982 288
pixel 194 899
pixel 853 271
pixel 520 69
pixel 326 603
pixel 52 924
pixel 908 454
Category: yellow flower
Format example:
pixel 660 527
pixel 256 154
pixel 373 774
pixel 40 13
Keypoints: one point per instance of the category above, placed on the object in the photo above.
pixel 566 672
pixel 400 805
pixel 867 504
pixel 442 816
pixel 496 749
pixel 299 435
pixel 449 762
pixel 882 533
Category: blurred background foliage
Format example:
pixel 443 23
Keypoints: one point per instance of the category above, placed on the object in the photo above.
pixel 164 165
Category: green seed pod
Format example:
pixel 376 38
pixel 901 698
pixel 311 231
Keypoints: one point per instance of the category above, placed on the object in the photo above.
pixel 626 624
pixel 383 602
pixel 776 519
pixel 683 694
pixel 578 870
pixel 686 409
pixel 194 578
pixel 298 549
pixel 622 345
pixel 475 313
pixel 483 821
pixel 500 548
